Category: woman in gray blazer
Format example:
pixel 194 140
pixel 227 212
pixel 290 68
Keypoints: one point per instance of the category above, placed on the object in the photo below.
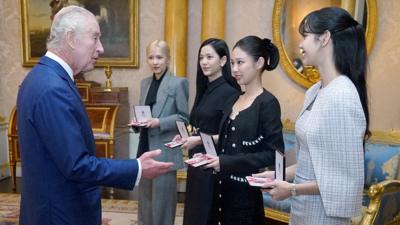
pixel 167 96
pixel 332 126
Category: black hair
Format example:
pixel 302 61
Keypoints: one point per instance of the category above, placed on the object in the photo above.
pixel 221 48
pixel 257 47
pixel 349 47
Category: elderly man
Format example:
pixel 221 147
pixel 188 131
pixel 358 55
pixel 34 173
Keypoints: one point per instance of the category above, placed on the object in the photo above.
pixel 61 175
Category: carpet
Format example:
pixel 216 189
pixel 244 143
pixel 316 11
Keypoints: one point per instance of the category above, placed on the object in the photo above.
pixel 115 212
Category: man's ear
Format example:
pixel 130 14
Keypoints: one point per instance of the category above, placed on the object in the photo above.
pixel 70 39
pixel 223 61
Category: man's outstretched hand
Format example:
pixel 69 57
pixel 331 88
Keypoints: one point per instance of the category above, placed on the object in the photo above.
pixel 152 168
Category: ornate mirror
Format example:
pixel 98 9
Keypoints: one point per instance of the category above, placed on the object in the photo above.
pixel 287 16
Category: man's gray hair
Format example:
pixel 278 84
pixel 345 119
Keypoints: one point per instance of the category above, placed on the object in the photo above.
pixel 70 18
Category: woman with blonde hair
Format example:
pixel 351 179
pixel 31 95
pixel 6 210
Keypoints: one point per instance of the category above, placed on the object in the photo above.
pixel 167 96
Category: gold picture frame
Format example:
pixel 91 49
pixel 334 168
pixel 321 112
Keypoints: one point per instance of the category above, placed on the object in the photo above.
pixel 118 23
pixel 310 75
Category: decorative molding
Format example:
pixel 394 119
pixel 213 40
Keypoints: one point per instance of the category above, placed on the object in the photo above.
pixel 376 193
pixel 381 137
pixel 386 137
pixel 276 215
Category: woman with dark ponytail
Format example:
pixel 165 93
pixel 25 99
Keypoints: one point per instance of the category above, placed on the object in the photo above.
pixel 332 126
pixel 250 131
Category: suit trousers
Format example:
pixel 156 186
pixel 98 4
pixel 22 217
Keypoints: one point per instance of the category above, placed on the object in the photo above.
pixel 157 200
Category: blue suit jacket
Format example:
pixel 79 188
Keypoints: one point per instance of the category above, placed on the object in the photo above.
pixel 61 174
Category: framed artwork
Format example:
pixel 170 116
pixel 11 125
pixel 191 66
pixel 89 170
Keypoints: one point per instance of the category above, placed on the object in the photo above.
pixel 118 22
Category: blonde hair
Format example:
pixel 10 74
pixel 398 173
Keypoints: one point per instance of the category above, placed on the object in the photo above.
pixel 159 44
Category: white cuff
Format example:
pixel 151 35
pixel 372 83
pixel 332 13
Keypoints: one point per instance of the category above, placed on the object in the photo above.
pixel 139 175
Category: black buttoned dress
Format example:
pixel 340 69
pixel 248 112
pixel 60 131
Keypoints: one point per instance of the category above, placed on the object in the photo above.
pixel 247 143
pixel 206 116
